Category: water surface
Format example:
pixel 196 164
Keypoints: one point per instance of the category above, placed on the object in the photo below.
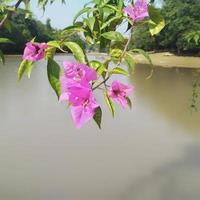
pixel 149 153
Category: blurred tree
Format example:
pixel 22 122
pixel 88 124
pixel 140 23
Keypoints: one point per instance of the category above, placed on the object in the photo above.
pixel 182 30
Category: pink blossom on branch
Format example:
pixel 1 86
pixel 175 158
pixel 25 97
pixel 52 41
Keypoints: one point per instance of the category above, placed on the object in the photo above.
pixel 137 12
pixel 34 51
pixel 119 93
pixel 83 104
pixel 76 89
pixel 77 72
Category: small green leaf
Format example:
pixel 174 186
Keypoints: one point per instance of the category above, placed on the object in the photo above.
pixel 54 43
pixel 118 70
pixel 72 29
pixel 116 54
pixel 113 35
pixel 53 72
pixel 129 60
pixel 156 22
pixel 129 102
pixel 98 116
pixel 109 103
pixel 94 64
pixel 99 67
pixel 145 54
pixel 25 66
pixel 2 58
pixel 90 21
pixel 77 51
pixel 50 52
pixel 84 10
pixel 106 24
pixel 6 40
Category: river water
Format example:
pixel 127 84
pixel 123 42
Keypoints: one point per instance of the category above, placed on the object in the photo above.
pixel 149 153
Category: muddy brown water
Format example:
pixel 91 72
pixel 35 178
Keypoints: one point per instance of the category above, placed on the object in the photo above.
pixel 149 153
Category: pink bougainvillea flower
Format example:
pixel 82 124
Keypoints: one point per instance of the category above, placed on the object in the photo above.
pixel 83 104
pixel 34 51
pixel 139 11
pixel 77 72
pixel 119 93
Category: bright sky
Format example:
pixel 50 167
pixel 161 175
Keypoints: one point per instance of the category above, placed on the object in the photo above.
pixel 61 15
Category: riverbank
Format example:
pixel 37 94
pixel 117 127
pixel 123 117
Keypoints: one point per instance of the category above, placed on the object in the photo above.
pixel 164 59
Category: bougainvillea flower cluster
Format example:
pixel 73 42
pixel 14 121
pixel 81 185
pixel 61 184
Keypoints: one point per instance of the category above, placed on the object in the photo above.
pixel 77 81
pixel 77 90
pixel 137 12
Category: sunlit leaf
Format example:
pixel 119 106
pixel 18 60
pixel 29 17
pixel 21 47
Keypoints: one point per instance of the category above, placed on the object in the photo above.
pixel 84 10
pixel 156 22
pixel 5 41
pixel 25 66
pixel 109 103
pixel 77 51
pixel 118 70
pixel 113 35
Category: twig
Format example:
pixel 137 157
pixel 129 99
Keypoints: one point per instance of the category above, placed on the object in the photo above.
pixel 124 51
pixel 10 13
pixel 103 82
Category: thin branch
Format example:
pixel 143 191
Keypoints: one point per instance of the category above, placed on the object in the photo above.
pixel 10 13
pixel 124 51
pixel 103 82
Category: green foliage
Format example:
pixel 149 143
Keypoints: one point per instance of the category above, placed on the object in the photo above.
pixel 23 30
pixel 118 70
pixel 181 33
pixel 53 72
pixel 25 66
pixel 109 103
pixel 95 26
pixel 98 117
pixel 2 58
pixel 156 22
pixel 77 51
pixel 113 36
pixel 102 17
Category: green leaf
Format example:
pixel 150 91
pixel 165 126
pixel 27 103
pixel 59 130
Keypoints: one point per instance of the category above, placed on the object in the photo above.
pixel 109 103
pixel 98 66
pixel 118 70
pixel 54 43
pixel 156 22
pixel 50 52
pixel 6 40
pixel 129 60
pixel 25 66
pixel 84 10
pixel 2 58
pixel 144 53
pixel 113 35
pixel 53 72
pixel 116 54
pixel 98 116
pixel 129 102
pixel 118 17
pixel 70 30
pixel 77 51
pixel 90 21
